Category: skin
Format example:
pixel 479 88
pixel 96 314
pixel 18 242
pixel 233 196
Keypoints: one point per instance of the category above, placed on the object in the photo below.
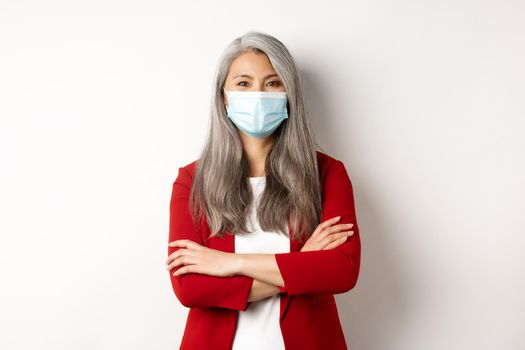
pixel 259 75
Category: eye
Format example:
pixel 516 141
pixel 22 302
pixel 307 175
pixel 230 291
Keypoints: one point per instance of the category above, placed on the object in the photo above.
pixel 239 83
pixel 276 82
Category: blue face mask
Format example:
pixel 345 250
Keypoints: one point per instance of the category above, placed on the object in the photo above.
pixel 257 113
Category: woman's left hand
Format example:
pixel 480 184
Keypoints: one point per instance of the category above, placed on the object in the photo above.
pixel 197 258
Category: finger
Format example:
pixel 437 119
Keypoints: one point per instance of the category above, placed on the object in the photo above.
pixel 338 228
pixel 184 269
pixel 325 224
pixel 343 232
pixel 180 271
pixel 337 236
pixel 179 243
pixel 333 230
pixel 336 243
pixel 178 253
pixel 185 243
pixel 330 222
pixel 343 226
pixel 179 261
pixel 170 257
pixel 334 237
pixel 174 255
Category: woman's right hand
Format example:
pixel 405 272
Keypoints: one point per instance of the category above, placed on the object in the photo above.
pixel 327 236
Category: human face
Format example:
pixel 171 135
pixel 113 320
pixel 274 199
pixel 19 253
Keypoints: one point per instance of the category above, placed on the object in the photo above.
pixel 252 72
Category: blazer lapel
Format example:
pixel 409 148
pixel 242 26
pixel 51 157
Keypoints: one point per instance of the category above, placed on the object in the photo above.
pixel 295 246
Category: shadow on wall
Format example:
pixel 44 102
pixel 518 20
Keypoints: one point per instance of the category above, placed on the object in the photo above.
pixel 374 313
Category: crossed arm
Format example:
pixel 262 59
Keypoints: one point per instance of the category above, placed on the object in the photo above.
pixel 264 270
pixel 198 259
pixel 262 275
pixel 261 290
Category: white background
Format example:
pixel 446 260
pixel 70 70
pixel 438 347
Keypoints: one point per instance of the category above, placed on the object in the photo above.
pixel 102 101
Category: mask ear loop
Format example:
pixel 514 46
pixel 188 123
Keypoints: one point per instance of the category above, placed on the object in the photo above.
pixel 224 95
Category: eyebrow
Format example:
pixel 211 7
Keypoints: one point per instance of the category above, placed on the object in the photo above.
pixel 249 76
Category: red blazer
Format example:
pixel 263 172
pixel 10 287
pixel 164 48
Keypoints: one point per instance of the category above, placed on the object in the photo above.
pixel 308 311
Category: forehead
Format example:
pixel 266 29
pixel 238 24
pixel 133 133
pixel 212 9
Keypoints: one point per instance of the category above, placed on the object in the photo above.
pixel 251 64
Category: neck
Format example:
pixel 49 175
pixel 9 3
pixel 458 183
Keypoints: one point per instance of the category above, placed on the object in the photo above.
pixel 256 151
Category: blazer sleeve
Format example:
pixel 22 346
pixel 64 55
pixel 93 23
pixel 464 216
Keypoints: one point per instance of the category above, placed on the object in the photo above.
pixel 195 289
pixel 331 271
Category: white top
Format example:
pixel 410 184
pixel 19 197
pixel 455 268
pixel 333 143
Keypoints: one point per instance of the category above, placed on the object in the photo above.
pixel 258 327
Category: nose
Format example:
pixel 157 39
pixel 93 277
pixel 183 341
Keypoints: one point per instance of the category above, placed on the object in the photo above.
pixel 258 86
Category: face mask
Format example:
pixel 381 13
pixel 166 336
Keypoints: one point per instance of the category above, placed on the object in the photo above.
pixel 257 113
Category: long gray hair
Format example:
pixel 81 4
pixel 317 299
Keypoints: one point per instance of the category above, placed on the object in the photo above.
pixel 292 194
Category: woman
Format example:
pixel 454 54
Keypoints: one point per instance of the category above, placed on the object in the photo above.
pixel 263 229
